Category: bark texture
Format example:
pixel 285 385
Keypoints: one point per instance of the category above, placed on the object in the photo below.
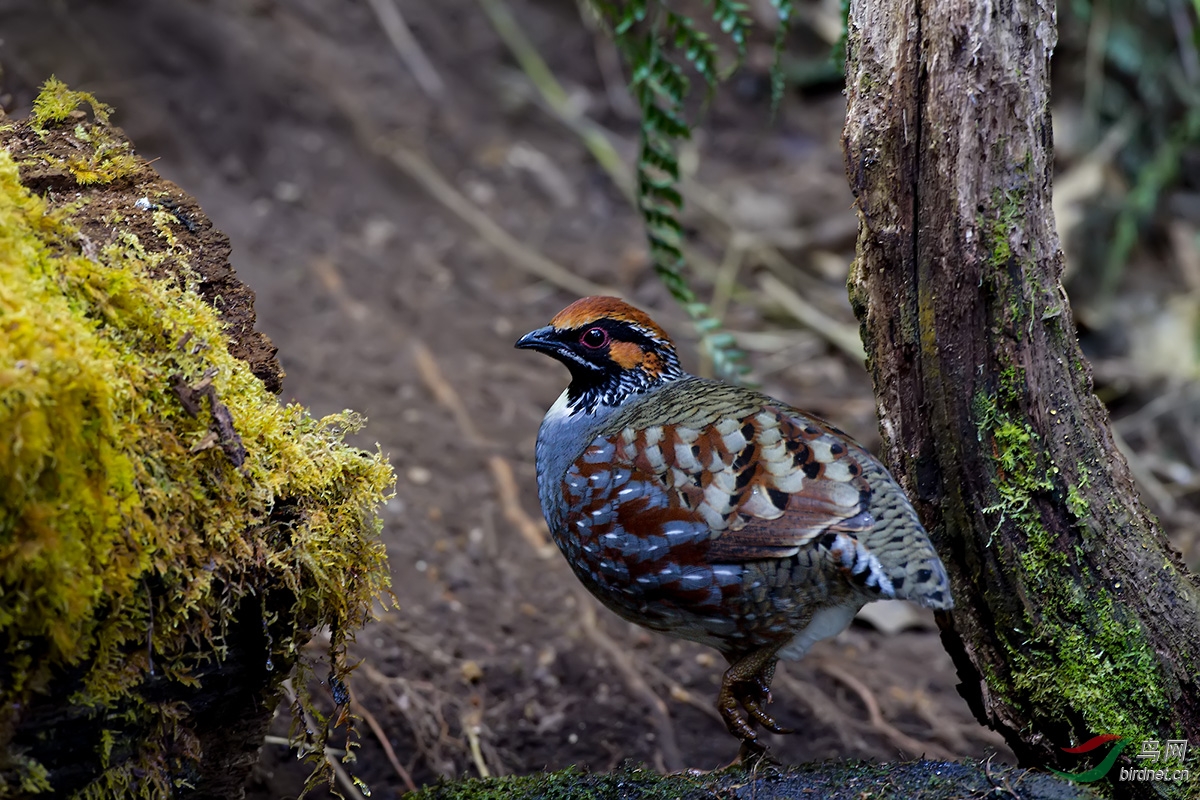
pixel 1074 616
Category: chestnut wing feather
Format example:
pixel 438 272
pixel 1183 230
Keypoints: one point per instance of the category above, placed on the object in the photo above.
pixel 766 484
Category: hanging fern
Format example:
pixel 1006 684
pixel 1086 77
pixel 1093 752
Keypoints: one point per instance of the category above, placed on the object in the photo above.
pixel 656 41
pixel 783 9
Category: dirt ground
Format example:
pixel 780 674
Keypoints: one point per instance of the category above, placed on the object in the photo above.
pixel 383 300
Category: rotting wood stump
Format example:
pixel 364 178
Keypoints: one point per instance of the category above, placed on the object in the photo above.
pixel 170 534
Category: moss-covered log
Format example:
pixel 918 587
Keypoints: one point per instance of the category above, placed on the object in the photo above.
pixel 170 533
pixel 1074 616
pixel 850 780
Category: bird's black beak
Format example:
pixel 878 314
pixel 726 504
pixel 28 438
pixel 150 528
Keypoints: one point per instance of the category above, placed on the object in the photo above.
pixel 542 339
pixel 548 340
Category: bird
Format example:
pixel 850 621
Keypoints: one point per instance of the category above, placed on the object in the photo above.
pixel 713 513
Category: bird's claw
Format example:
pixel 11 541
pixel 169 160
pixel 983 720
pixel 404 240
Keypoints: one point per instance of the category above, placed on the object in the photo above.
pixel 741 698
pixel 755 699
pixel 730 705
pixel 763 718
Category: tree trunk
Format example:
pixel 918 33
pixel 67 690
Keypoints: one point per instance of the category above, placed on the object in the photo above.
pixel 1074 617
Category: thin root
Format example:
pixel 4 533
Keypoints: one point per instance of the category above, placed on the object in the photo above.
pixel 899 739
pixel 445 393
pixel 377 729
pixel 510 506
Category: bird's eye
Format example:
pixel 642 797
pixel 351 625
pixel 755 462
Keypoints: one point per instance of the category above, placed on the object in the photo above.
pixel 594 338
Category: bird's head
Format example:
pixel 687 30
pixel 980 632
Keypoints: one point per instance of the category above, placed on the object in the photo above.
pixel 612 349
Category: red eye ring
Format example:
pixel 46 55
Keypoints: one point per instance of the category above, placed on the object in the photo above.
pixel 594 338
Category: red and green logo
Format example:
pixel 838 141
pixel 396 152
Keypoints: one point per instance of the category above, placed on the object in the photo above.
pixel 1100 770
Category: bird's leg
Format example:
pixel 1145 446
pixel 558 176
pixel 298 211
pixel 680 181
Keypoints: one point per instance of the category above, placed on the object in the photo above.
pixel 747 685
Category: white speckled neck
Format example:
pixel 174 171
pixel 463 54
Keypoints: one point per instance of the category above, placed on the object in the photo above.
pixel 564 435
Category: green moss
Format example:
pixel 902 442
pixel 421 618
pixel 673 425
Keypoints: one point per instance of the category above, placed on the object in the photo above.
pixel 999 225
pixel 109 487
pixel 1079 655
pixel 1008 208
pixel 568 784
pixel 1105 670
pixel 100 155
pixel 56 103
pixel 844 780
pixel 1076 503
pixel 1019 476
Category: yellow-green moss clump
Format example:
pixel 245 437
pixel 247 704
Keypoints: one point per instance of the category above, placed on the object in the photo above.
pixel 128 532
pixel 105 157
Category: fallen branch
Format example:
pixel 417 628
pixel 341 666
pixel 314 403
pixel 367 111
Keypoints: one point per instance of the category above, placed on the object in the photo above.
pixel 408 48
pixel 552 94
pixel 420 170
pixel 598 142
pixel 510 505
pixel 841 335
pixel 471 723
pixel 446 395
pixel 327 272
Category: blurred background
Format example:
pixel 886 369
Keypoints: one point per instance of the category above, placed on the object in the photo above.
pixel 408 193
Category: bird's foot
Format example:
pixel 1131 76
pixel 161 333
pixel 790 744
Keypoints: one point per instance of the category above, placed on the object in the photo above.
pixel 730 705
pixel 751 755
pixel 754 695
pixel 745 693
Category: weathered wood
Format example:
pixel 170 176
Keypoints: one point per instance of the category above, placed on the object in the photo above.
pixel 1074 615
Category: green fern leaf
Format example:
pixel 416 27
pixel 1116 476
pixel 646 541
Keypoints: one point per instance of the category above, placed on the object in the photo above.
pixel 655 40
pixel 784 11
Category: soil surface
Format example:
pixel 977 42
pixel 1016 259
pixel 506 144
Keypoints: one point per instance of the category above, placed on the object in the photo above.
pixel 279 118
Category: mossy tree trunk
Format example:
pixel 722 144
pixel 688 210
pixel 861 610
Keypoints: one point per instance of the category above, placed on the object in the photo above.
pixel 1074 616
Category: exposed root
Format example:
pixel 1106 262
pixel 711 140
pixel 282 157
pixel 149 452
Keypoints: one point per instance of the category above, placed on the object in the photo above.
pixel 952 732
pixel 679 693
pixel 421 705
pixel 828 713
pixel 898 738
pixel 1006 786
pixel 381 736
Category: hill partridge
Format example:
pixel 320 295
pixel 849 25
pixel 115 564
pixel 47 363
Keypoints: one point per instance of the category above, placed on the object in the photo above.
pixel 712 512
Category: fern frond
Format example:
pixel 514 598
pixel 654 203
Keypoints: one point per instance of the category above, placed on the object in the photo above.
pixel 784 10
pixel 734 19
pixel 696 46
pixel 656 41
